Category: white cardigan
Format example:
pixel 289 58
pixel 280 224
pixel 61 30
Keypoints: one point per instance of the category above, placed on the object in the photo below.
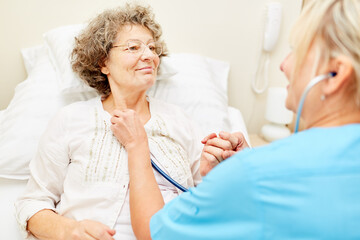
pixel 81 170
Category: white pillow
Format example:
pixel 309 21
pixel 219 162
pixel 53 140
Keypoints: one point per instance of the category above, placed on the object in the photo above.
pixel 31 56
pixel 36 100
pixel 60 42
pixel 200 88
pixel 1 115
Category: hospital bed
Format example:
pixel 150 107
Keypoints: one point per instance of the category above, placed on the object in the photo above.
pixel 196 83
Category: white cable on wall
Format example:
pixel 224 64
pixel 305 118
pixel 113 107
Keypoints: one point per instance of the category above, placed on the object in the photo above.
pixel 260 81
pixel 261 78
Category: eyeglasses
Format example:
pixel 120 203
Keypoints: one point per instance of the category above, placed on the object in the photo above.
pixel 138 47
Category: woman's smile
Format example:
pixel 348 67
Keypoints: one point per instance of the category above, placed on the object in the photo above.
pixel 146 70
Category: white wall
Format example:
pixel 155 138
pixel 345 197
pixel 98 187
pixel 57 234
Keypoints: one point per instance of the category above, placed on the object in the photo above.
pixel 228 30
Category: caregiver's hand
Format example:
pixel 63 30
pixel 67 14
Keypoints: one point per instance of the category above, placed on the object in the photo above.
pixel 217 148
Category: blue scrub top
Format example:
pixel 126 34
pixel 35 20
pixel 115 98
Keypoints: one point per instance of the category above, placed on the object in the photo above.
pixel 306 186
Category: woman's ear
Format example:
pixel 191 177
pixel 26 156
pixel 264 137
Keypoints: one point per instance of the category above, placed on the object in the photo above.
pixel 344 70
pixel 105 70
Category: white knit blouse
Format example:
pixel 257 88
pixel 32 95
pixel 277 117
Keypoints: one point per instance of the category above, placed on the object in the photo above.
pixel 81 170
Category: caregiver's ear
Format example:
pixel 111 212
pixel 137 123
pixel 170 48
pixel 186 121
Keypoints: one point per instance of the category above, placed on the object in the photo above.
pixel 344 70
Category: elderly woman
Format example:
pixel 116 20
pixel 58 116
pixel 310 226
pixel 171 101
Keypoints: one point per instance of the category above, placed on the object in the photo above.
pixel 79 185
pixel 305 186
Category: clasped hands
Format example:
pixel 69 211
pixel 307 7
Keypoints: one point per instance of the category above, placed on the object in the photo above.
pixel 218 148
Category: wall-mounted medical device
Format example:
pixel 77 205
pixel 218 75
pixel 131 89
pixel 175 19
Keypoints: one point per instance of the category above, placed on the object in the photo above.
pixel 270 37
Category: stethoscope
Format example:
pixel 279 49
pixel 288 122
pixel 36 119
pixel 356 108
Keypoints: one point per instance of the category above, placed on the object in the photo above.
pixel 166 176
pixel 312 83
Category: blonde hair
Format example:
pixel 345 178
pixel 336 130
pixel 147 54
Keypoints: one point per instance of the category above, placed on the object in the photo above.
pixel 333 26
pixel 93 45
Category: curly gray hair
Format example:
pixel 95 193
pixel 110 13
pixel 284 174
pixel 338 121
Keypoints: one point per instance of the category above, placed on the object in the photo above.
pixel 93 45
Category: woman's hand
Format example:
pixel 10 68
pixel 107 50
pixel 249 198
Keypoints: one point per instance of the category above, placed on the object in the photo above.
pixel 128 129
pixel 218 148
pixel 89 230
pixel 47 224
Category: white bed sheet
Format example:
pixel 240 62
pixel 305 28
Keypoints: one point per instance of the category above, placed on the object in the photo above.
pixel 10 189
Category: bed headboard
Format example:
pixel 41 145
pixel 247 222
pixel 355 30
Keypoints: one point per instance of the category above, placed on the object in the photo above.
pixel 228 30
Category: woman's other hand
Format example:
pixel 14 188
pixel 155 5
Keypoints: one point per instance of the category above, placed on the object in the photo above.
pixel 128 128
pixel 210 155
pixel 47 224
pixel 218 148
pixel 89 230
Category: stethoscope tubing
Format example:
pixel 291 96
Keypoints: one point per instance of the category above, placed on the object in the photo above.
pixel 167 177
pixel 312 83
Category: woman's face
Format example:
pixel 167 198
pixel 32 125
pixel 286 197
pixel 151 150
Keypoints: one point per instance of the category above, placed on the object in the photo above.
pixel 297 83
pixel 128 71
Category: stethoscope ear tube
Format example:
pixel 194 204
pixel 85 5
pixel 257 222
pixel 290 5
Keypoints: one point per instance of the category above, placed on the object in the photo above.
pixel 312 83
